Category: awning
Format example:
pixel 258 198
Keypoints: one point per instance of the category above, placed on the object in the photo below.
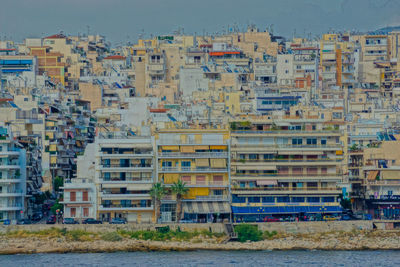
pixel 267 182
pixel 173 148
pixel 300 152
pixel 372 175
pixel 202 163
pixel 218 163
pixel 187 149
pixel 201 147
pixel 206 207
pixel 218 147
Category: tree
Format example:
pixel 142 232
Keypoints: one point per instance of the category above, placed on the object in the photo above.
pixel 157 192
pixel 58 182
pixel 179 189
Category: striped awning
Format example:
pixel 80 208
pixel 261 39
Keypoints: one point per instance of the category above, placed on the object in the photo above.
pixel 206 207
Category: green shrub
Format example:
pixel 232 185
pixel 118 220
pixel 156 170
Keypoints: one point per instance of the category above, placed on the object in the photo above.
pixel 248 232
pixel 164 229
pixel 269 235
pixel 76 235
pixel 111 236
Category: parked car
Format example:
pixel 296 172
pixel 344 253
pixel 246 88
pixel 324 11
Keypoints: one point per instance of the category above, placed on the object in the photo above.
pixel 186 221
pixel 5 221
pixel 91 221
pixel 117 221
pixel 51 220
pixel 271 219
pixel 24 221
pixel 330 218
pixel 70 221
pixel 37 217
pixel 346 217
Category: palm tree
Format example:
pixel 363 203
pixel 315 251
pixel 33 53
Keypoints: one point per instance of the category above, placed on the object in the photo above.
pixel 179 189
pixel 157 192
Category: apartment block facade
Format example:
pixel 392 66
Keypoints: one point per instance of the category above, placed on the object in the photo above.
pixel 285 168
pixel 124 177
pixel 200 159
pixel 12 178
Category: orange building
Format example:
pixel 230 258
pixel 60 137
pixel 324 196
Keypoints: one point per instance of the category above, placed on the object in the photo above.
pixel 50 63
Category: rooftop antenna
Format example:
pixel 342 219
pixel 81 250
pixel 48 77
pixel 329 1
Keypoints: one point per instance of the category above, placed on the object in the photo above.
pixel 88 30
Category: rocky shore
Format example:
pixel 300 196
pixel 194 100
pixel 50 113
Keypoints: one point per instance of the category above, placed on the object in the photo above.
pixel 363 240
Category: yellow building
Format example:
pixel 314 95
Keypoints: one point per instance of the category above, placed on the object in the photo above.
pixel 200 159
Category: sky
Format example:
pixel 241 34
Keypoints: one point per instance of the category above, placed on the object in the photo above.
pixel 126 20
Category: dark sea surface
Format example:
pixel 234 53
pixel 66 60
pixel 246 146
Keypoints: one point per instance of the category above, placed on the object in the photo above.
pixel 209 258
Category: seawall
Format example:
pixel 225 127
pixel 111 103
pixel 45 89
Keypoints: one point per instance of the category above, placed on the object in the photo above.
pixel 282 227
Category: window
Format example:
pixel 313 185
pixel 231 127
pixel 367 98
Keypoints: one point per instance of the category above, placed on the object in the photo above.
pixel 200 180
pixel 186 179
pixel 298 199
pixel 236 199
pixel 73 212
pixel 85 196
pixel 328 199
pixel 85 212
pixel 254 199
pixel 311 141
pixel 297 141
pixel 283 199
pixel 323 142
pixel 72 196
pixel 313 199
pixel 218 179
pixel 186 164
pixel 268 199
pixel 253 156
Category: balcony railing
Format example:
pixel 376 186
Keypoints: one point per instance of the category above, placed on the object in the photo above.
pixel 289 145
pixel 194 155
pixel 206 183
pixel 286 160
pixel 277 188
pixel 126 166
pixel 255 175
pixel 189 169
pixel 283 131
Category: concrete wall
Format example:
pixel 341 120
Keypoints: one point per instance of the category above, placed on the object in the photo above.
pixel 315 227
pixel 287 227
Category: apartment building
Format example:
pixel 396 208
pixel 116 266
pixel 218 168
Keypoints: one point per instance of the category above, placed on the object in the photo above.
pixel 381 168
pixel 200 159
pixel 124 177
pixel 79 199
pixel 12 177
pixel 285 168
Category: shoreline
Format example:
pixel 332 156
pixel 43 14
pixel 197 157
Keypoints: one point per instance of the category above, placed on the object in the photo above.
pixel 367 240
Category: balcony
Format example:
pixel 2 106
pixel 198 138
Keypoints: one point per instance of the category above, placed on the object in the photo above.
pixel 285 190
pixel 124 208
pixel 111 196
pixel 209 198
pixel 11 207
pixel 12 193
pixel 76 201
pixel 286 132
pixel 10 180
pixel 9 153
pixel 10 165
pixel 127 180
pixel 286 176
pixel 127 167
pixel 187 170
pixel 125 155
pixel 193 155
pixel 206 184
pixel 291 162
pixel 289 147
